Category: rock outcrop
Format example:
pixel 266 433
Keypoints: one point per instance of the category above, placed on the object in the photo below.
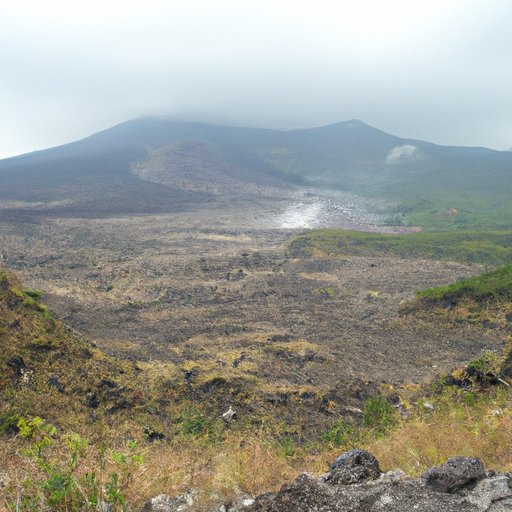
pixel 352 467
pixel 456 474
pixel 355 483
pixel 164 503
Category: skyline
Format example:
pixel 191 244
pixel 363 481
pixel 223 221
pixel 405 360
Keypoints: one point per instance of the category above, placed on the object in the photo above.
pixel 435 72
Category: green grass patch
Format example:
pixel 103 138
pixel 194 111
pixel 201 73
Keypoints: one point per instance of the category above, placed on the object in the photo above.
pixel 327 292
pixel 455 208
pixel 35 294
pixel 494 285
pixel 196 424
pixel 379 414
pixel 341 433
pixel 492 247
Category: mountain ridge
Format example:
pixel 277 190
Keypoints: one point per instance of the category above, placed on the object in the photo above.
pixel 95 174
pixel 353 122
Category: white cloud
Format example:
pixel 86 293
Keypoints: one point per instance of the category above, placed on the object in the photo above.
pixel 399 153
pixel 70 68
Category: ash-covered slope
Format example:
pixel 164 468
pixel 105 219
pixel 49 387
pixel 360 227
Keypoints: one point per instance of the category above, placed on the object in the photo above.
pixel 160 165
pixel 95 176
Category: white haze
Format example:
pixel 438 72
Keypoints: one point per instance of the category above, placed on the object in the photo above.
pixel 437 70
pixel 400 153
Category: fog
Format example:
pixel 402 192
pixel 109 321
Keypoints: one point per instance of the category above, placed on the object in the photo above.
pixel 438 71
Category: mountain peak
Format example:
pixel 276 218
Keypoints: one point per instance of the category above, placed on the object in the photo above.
pixel 348 124
pixel 354 121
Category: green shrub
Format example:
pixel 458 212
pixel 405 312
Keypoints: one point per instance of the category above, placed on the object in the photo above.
pixel 288 446
pixel 339 434
pixel 194 423
pixel 35 294
pixel 63 487
pixel 379 414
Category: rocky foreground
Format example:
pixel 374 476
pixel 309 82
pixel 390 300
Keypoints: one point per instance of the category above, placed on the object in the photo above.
pixel 355 483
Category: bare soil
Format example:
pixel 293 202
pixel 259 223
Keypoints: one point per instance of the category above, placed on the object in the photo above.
pixel 192 289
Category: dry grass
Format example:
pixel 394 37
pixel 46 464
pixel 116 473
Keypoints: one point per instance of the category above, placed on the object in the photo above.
pixel 221 469
pixel 171 468
pixel 470 425
pixel 457 426
pixel 205 453
pixel 462 423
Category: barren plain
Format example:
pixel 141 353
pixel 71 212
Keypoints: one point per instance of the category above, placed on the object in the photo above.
pixel 213 294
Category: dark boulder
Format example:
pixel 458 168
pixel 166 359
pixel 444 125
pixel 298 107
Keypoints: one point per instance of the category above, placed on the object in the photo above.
pixel 18 364
pixel 305 493
pixel 355 484
pixel 455 474
pixel 92 400
pixel 153 435
pixel 352 467
pixel 53 381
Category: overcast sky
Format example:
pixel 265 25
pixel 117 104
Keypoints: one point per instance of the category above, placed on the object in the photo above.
pixel 438 70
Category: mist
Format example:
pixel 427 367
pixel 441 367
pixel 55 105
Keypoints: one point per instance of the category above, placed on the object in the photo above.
pixel 438 72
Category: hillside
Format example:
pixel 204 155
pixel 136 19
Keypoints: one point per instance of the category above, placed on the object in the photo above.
pixel 483 299
pixel 152 239
pixel 78 427
pixel 484 247
pixel 154 165
pixel 41 357
pixel 95 176
pixel 492 286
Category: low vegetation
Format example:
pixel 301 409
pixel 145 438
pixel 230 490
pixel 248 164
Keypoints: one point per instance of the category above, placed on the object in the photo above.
pixel 60 471
pixel 486 247
pixel 454 209
pixel 484 300
pixel 119 432
pixel 495 285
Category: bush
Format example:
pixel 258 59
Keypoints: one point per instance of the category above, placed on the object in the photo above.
pixel 34 294
pixel 194 423
pixel 339 434
pixel 60 485
pixel 379 414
